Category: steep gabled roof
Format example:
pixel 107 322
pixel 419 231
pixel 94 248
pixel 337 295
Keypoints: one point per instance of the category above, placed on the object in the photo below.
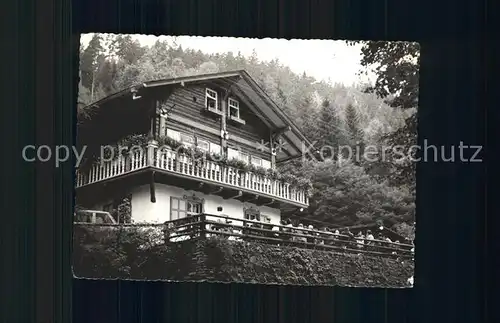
pixel 243 86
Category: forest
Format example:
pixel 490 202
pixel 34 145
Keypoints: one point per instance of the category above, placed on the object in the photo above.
pixel 345 191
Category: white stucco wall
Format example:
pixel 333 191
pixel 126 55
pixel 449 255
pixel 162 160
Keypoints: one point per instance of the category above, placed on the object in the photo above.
pixel 145 211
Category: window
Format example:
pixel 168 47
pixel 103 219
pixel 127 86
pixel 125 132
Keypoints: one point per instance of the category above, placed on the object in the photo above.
pixel 174 134
pixel 234 108
pixel 266 163
pixel 194 208
pixel 257 161
pixel 180 208
pixel 243 157
pixel 232 153
pixel 103 218
pixel 203 145
pixel 252 214
pixel 108 207
pixel 215 148
pixel 83 217
pixel 177 208
pixel 237 154
pixel 211 100
pixel 187 140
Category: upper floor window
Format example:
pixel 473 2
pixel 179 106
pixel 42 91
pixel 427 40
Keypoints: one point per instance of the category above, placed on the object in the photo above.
pixel 211 100
pixel 237 154
pixel 234 108
pixel 257 161
pixel 243 157
pixel 215 148
pixel 187 140
pixel 203 145
pixel 266 163
pixel 174 134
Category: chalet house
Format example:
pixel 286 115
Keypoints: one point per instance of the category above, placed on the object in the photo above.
pixel 226 116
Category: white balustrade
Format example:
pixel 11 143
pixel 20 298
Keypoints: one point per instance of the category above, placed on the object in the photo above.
pixel 206 170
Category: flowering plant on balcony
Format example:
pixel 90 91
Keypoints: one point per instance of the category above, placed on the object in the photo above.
pixel 141 140
pixel 238 164
pixel 114 151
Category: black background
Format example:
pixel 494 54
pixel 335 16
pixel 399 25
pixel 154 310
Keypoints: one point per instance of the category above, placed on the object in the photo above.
pixel 40 71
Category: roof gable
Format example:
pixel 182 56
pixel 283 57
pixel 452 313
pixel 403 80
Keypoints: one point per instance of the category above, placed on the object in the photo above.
pixel 244 87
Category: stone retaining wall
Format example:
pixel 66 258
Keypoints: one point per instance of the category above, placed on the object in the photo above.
pixel 221 260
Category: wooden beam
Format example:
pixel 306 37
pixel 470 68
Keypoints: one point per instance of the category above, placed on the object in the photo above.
pixel 280 131
pixel 247 101
pixel 273 201
pixel 235 196
pixel 152 187
pixel 205 188
pixel 223 125
pixel 251 199
pixel 217 132
pixel 218 190
pixel 190 79
pixel 267 201
pixel 201 187
pixel 273 151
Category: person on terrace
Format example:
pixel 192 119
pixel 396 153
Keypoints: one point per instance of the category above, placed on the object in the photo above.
pixel 301 239
pixel 311 234
pixel 360 240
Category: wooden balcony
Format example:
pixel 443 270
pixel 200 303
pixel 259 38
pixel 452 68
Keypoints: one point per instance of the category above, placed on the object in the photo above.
pixel 203 171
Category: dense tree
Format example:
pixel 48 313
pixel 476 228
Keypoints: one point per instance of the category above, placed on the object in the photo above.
pixel 91 59
pixel 127 49
pixel 345 195
pixel 208 67
pixel 355 134
pixel 106 76
pixel 330 135
pixel 396 65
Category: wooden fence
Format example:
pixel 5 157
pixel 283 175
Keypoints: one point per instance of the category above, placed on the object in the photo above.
pixel 210 225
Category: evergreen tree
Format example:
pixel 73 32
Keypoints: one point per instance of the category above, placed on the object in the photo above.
pixel 106 76
pixel 355 133
pixel 207 68
pixel 307 117
pixel 329 131
pixel 127 49
pixel 91 58
pixel 254 59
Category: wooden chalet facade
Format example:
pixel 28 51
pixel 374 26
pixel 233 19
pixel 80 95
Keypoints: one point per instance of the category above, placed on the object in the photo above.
pixel 223 114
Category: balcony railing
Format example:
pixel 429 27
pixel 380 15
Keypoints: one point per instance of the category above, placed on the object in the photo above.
pixel 235 229
pixel 207 171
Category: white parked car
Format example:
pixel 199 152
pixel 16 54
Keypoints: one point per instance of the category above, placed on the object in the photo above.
pixel 94 216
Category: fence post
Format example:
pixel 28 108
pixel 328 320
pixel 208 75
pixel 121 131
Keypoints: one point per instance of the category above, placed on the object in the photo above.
pixel 166 233
pixel 202 219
